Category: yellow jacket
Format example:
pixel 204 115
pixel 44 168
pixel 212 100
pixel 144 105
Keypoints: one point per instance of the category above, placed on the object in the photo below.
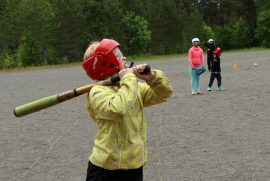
pixel 120 142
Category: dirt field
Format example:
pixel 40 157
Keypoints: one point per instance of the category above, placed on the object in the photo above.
pixel 217 136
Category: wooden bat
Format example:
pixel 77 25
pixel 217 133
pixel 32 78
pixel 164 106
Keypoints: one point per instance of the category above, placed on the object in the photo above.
pixel 50 101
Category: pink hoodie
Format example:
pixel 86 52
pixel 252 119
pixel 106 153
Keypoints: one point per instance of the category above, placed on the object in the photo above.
pixel 195 57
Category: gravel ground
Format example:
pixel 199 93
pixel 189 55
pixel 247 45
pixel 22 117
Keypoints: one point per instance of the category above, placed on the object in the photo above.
pixel 217 136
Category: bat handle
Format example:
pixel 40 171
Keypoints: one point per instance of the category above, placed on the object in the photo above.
pixel 116 78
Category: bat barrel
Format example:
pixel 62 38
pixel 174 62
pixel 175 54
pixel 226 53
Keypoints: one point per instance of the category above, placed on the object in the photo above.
pixel 36 106
pixel 64 96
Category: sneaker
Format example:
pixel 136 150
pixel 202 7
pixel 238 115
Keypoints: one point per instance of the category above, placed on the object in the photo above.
pixel 199 92
pixel 220 89
pixel 209 88
pixel 193 93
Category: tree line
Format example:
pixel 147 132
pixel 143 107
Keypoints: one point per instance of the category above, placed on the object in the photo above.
pixel 45 32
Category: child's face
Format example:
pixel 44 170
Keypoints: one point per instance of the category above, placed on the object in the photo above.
pixel 121 59
pixel 196 43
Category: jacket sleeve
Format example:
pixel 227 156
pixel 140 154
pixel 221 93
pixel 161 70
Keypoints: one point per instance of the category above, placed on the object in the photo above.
pixel 190 58
pixel 157 90
pixel 202 56
pixel 110 105
pixel 212 48
pixel 209 64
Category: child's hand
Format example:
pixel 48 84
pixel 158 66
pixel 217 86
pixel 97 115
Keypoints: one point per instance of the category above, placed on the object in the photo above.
pixel 138 69
pixel 192 66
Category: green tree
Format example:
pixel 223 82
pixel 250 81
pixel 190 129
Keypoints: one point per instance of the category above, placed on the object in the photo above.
pixel 7 61
pixel 9 34
pixel 194 26
pixel 209 10
pixel 208 33
pixel 2 6
pixel 237 34
pixel 136 6
pixel 263 30
pixel 69 29
pixel 262 5
pixel 38 17
pixel 224 37
pixel 27 53
pixel 167 23
pixel 242 34
pixel 63 29
pixel 102 19
pixel 20 17
pixel 138 35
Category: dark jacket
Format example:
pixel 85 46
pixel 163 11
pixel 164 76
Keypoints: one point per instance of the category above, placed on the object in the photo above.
pixel 210 48
pixel 215 64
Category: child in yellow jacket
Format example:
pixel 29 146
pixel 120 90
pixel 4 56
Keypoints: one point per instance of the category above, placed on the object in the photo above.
pixel 120 149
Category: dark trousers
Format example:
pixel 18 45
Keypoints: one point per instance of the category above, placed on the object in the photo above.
pixel 212 78
pixel 95 173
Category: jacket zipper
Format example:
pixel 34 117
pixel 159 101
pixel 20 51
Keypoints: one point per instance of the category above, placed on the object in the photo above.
pixel 142 144
pixel 120 158
pixel 142 149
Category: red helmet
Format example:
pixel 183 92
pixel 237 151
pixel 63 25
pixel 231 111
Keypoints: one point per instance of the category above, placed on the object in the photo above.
pixel 217 51
pixel 103 63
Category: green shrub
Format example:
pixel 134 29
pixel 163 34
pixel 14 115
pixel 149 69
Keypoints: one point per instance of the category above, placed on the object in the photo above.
pixel 8 61
pixel 138 36
pixel 50 56
pixel 263 30
pixel 27 53
pixel 234 35
pixel 208 33
pixel 242 35
pixel 224 37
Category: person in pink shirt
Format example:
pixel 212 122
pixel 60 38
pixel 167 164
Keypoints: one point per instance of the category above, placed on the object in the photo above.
pixel 196 59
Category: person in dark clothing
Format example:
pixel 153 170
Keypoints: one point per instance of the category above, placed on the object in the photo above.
pixel 210 48
pixel 215 70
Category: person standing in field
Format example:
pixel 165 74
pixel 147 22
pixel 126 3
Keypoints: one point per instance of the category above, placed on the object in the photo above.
pixel 215 70
pixel 196 60
pixel 210 45
pixel 120 150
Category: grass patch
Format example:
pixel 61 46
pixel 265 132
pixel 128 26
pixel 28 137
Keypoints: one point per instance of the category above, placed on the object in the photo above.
pixel 253 49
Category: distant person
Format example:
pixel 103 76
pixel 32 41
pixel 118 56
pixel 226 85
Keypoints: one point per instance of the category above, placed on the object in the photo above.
pixel 210 45
pixel 120 145
pixel 196 59
pixel 215 70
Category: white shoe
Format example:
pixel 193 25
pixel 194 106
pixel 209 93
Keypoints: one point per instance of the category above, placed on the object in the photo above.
pixel 193 93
